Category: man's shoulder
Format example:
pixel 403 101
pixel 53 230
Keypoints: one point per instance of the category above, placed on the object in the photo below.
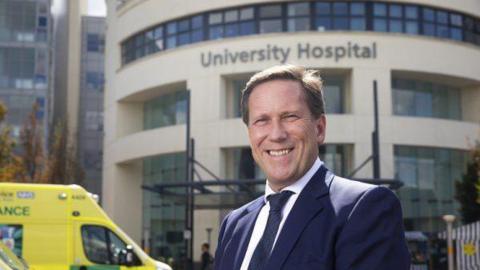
pixel 242 210
pixel 347 193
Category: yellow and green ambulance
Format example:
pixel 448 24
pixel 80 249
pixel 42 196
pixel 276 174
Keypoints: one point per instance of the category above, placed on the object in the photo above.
pixel 56 227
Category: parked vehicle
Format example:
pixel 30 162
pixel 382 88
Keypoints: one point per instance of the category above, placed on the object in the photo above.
pixel 56 227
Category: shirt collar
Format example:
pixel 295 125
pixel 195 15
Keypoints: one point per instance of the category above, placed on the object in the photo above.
pixel 298 185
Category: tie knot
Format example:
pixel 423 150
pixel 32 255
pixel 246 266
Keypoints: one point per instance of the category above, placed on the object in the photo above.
pixel 277 200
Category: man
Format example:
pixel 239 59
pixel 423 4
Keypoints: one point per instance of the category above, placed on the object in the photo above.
pixel 308 218
pixel 206 257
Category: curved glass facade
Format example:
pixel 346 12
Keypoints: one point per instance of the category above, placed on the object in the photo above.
pixel 303 16
pixel 165 110
pixel 428 175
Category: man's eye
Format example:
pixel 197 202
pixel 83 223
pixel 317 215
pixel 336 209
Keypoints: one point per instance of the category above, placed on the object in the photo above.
pixel 260 121
pixel 291 117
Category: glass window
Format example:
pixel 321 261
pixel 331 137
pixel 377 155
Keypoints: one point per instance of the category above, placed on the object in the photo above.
pixel 298 24
pixel 411 27
pixel 358 24
pixel 270 11
pixel 456 19
pixel 395 11
pixel 246 14
pixel 380 10
pixel 380 25
pixel 340 8
pixel 270 26
pixel 322 8
pixel 247 28
pixel 357 9
pixel 442 17
pixel 425 99
pixel 215 18
pixel 322 24
pixel 216 32
pixel 395 26
pixel 299 9
pixel 95 244
pixel 197 22
pixel 411 12
pixel 428 176
pixel 231 16
pixel 340 23
pixel 165 110
pixel 428 15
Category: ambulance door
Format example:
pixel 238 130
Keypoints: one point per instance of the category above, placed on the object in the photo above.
pixel 102 249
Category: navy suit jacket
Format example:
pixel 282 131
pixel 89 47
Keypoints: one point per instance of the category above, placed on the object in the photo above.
pixel 335 223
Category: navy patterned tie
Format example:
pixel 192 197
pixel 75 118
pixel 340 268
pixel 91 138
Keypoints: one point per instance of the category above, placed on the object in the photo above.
pixel 264 247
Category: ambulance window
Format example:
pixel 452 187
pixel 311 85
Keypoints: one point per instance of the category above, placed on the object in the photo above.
pixel 95 244
pixel 116 247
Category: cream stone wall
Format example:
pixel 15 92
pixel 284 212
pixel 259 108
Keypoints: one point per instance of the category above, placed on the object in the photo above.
pixel 127 87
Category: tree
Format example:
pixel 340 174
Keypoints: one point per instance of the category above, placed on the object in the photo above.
pixel 11 166
pixel 468 189
pixel 32 147
pixel 61 165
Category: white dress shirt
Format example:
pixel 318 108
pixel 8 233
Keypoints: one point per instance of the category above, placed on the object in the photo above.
pixel 262 218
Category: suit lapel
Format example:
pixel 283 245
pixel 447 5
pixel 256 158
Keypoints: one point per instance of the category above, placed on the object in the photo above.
pixel 243 231
pixel 306 207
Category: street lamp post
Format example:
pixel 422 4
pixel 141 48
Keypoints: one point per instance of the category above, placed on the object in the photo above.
pixel 449 219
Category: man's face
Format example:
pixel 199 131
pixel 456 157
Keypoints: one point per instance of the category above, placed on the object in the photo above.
pixel 283 133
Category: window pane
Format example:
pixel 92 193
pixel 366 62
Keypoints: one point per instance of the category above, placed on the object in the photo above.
pixel 246 14
pixel 333 97
pixel 442 17
pixel 117 246
pixel 270 11
pixel 456 33
pixel 358 24
pixel 340 23
pixel 443 31
pixel 411 27
pixel 323 23
pixel 429 29
pixel 171 28
pixel 247 28
pixel 269 26
pixel 300 24
pixel 183 38
pixel 183 25
pixel 231 16
pixel 456 19
pixel 215 18
pixel 340 8
pixel 197 22
pixel 379 9
pixel 216 32
pixel 395 11
pixel 322 8
pixel 95 244
pixel 380 25
pixel 396 26
pixel 197 35
pixel 298 9
pixel 231 30
pixel 357 9
pixel 411 12
pixel 428 15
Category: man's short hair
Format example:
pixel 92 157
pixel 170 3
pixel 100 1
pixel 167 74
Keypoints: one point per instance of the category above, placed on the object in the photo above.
pixel 309 79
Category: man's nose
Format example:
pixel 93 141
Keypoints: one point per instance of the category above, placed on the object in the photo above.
pixel 278 132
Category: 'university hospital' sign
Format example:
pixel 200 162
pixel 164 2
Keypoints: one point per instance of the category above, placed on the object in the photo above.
pixel 284 54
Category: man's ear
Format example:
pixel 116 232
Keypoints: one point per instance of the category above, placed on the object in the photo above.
pixel 321 127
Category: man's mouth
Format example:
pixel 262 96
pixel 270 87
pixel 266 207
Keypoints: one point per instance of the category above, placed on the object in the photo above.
pixel 278 153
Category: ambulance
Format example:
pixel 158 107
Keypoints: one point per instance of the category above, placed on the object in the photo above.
pixel 57 227
pixel 9 261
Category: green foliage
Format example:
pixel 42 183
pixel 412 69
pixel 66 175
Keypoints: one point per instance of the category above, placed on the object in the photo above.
pixel 467 191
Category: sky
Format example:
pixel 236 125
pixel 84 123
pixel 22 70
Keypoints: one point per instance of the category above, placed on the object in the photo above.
pixel 97 8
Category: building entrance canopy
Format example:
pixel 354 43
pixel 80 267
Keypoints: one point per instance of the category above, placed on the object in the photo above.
pixel 230 194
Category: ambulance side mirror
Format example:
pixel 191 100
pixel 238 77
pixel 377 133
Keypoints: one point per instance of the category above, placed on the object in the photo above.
pixel 129 256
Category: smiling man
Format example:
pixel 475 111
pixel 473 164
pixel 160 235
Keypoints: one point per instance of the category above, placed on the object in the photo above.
pixel 308 218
